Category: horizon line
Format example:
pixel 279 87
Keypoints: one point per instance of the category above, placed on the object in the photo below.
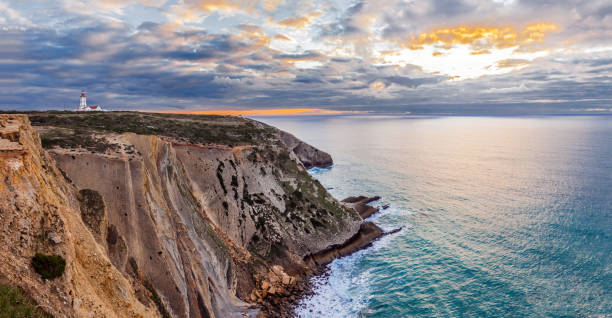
pixel 259 112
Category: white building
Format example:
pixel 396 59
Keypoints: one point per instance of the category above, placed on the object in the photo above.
pixel 83 104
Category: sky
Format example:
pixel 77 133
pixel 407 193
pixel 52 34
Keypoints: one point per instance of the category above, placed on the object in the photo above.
pixel 326 56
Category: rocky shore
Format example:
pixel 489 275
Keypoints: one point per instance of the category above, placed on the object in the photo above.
pixel 279 296
pixel 284 298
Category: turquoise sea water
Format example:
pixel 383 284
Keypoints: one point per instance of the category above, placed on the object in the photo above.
pixel 503 216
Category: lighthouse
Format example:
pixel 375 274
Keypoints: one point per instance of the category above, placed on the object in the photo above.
pixel 83 104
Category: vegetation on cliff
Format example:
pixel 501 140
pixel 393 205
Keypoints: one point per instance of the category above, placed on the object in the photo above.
pixel 79 129
pixel 48 266
pixel 15 304
pixel 153 295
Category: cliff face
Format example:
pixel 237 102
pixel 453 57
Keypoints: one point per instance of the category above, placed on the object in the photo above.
pixel 155 222
pixel 163 224
pixel 39 212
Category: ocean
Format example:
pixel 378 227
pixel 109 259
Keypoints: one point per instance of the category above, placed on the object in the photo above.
pixel 501 216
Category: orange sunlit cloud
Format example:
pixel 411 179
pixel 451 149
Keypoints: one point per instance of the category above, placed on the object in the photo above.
pixel 212 5
pixel 272 5
pixel 377 86
pixel 510 63
pixel 482 37
pixel 300 22
pixel 197 10
pixel 467 52
pixel 282 37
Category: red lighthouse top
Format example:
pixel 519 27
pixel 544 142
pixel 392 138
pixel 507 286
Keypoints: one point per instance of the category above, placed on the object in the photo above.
pixel 82 93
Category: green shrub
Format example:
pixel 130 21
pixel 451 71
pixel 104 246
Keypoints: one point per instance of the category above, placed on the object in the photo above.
pixel 133 265
pixel 156 299
pixel 15 304
pixel 48 266
pixel 153 293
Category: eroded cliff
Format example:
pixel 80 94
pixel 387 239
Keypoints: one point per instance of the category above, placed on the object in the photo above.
pixel 39 212
pixel 181 216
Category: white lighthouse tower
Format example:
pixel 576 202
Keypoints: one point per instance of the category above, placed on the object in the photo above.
pixel 83 103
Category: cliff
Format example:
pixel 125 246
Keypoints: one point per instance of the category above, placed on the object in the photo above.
pixel 163 215
pixel 37 214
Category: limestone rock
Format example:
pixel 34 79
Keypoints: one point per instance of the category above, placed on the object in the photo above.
pixel 54 237
pixel 286 279
pixel 265 285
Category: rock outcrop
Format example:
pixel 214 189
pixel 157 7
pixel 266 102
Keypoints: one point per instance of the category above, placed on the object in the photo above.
pixel 360 204
pixel 197 224
pixel 368 232
pixel 308 155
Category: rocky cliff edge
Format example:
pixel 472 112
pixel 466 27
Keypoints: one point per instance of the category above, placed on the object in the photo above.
pixel 161 215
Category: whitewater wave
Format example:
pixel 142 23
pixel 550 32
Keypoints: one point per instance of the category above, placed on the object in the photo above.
pixel 345 291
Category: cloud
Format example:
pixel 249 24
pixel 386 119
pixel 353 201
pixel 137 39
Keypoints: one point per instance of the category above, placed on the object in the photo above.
pixel 389 55
pixel 470 52
pixel 482 38
pixel 300 22
pixel 412 82
pixel 196 11
pixel 345 24
pixel 272 5
pixel 513 63
pixel 9 16
pixel 282 37
pixel 511 89
pixel 213 5
pixel 307 79
pixel 308 56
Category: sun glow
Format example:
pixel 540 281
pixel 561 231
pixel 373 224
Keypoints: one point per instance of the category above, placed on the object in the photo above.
pixel 470 52
pixel 460 62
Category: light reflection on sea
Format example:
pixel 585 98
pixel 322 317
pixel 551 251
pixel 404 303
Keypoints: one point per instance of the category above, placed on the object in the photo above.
pixel 503 216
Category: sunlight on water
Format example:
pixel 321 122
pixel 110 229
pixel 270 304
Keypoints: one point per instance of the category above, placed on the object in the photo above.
pixel 503 216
